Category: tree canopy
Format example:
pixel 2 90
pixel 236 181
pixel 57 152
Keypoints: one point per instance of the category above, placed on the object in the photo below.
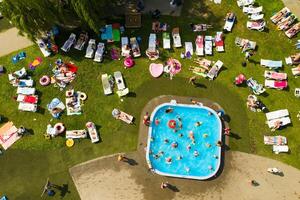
pixel 34 17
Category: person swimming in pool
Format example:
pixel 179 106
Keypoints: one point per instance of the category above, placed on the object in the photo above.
pixel 179 157
pixel 188 147
pixel 161 153
pixel 174 145
pixel 169 160
pixel 210 113
pixel 169 110
pixel 156 121
pixel 198 123
pixel 191 135
pixel 210 167
pixel 187 169
pixel 207 145
pixel 166 141
pixel 205 135
pixel 180 134
pixel 215 156
pixel 196 153
pixel 219 143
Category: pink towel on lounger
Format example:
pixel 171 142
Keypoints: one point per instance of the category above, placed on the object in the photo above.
pixel 280 84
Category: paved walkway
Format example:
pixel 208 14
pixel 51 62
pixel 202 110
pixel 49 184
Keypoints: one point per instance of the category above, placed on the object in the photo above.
pixel 294 6
pixel 10 41
pixel 108 179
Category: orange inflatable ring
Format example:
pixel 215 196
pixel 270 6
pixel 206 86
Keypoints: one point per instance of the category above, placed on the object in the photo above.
pixel 172 124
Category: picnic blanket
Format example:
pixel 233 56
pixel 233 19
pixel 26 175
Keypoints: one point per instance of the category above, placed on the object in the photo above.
pixel 8 135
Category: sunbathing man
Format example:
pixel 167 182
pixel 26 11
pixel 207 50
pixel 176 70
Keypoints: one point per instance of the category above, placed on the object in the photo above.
pixel 277 125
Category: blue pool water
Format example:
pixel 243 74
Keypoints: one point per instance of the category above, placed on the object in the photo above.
pixel 206 136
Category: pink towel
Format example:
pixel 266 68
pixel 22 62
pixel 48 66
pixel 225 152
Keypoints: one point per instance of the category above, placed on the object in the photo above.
pixel 280 84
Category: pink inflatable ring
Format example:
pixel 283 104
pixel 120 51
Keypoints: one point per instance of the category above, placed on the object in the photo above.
pixel 45 80
pixel 128 62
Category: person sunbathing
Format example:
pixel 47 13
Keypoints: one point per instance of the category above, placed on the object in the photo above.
pixel 277 125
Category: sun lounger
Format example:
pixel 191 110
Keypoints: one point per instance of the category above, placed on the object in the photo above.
pixel 26 90
pixel 22 82
pixel 30 107
pixel 255 87
pixel 189 50
pixel 27 98
pixel 277 114
pixel 200 27
pixel 17 74
pixel 293 59
pixel 252 10
pixel 119 80
pixel 83 38
pixel 176 38
pixel 279 15
pixel 256 17
pixel 275 140
pixel 275 75
pixel 43 47
pixel 219 42
pixel 125 47
pixel 67 45
pixel 166 40
pixel 118 114
pixel 92 132
pixel 73 105
pixel 271 63
pixel 99 52
pixel 199 45
pixel 135 47
pixel 90 50
pixel 213 72
pixel 122 93
pixel 8 135
pixel 297 92
pixel 293 31
pixel 229 22
pixel 245 44
pixel 256 25
pixel 286 23
pixel 107 88
pixel 276 84
pixel 242 3
pixel 208 45
pixel 283 122
pixel 296 71
pixel 280 149
pixel 56 107
pixel 152 42
pixel 76 134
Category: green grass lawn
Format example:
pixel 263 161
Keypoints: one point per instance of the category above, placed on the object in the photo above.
pixel 4 24
pixel 25 167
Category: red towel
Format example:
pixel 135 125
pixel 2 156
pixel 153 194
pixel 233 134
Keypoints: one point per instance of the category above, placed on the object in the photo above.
pixel 73 68
pixel 30 99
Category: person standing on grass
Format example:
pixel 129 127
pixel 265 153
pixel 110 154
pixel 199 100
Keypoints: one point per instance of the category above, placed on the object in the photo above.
pixel 122 157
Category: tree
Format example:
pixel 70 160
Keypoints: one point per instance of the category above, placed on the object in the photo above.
pixel 34 17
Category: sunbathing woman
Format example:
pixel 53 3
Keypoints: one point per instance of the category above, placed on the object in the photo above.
pixel 277 125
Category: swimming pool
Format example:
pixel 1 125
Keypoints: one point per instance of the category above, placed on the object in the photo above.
pixel 187 148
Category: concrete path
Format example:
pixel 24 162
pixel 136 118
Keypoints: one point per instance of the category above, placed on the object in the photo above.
pixel 10 41
pixel 108 179
pixel 294 6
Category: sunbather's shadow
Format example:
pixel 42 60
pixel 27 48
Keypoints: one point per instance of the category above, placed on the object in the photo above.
pixel 3 119
pixel 254 62
pixel 131 162
pixel 41 110
pixel 266 30
pixel 98 127
pixel 200 85
pixel 64 189
pixel 235 136
pixel 265 94
pixel 226 147
pixel 131 94
pixel 29 132
pixel 280 174
pixel 173 188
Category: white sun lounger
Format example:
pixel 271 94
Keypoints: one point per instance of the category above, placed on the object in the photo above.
pixel 119 80
pixel 199 45
pixel 296 71
pixel 26 90
pixel 92 132
pixel 135 47
pixel 229 23
pixel 99 53
pixel 189 48
pixel 152 42
pixel 208 45
pixel 280 149
pixel 83 37
pixel 90 50
pixel 122 93
pixel 277 114
pixel 255 86
pixel 20 74
pixel 76 134
pixel 26 98
pixel 276 84
pixel 106 85
pixel 258 25
pixel 125 46
pixel 275 75
pixel 284 121
pixel 242 3
pixel 67 45
pixel 279 15
pixel 256 17
pixel 22 83
pixel 271 63
pixel 275 140
pixel 43 48
pixel 252 10
pixel 176 38
pixel 166 40
pixel 213 72
pixel 29 107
